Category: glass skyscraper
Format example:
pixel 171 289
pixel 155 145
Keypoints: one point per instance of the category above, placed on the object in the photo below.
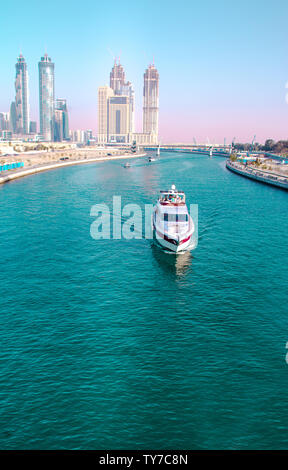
pixel 13 118
pixel 22 97
pixel 151 100
pixel 46 98
pixel 61 125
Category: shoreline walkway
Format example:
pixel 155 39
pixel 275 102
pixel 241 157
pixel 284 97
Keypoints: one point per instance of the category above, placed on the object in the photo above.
pixel 262 176
pixel 12 175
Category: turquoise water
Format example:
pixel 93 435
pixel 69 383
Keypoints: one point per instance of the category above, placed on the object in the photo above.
pixel 115 344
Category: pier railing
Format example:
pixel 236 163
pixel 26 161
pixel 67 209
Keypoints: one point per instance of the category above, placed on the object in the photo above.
pixel 267 175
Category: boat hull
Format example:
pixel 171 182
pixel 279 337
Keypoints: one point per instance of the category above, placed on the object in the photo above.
pixel 176 246
pixel 172 224
pixel 173 248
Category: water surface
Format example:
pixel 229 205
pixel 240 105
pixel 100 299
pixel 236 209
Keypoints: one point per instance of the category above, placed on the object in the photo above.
pixel 115 344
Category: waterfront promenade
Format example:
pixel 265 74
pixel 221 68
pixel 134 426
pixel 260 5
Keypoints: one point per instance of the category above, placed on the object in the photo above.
pixel 14 174
pixel 263 176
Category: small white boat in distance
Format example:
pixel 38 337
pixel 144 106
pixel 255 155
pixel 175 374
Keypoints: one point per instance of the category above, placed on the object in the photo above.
pixel 151 159
pixel 173 226
pixel 127 165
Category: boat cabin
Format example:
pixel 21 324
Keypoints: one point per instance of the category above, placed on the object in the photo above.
pixel 172 197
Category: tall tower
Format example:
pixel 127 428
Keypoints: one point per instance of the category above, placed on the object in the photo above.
pixel 104 92
pixel 117 78
pixel 151 100
pixel 21 97
pixel 123 88
pixel 46 97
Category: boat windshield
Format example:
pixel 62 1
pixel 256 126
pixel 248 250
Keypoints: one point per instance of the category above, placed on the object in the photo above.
pixel 175 217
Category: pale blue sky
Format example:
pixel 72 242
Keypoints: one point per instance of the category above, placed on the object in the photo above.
pixel 223 64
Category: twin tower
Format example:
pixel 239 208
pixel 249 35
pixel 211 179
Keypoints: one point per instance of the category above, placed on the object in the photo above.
pixel 53 113
pixel 116 109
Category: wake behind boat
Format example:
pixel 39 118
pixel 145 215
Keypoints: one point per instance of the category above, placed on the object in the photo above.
pixel 173 226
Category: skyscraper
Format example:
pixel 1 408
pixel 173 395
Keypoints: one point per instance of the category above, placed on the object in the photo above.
pixel 151 100
pixel 117 78
pixel 46 97
pixel 119 119
pixel 4 122
pixel 116 108
pixel 104 92
pixel 58 125
pixel 13 117
pixel 22 97
pixel 61 124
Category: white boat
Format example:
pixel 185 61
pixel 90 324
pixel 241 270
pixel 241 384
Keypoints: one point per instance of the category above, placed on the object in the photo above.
pixel 172 224
pixel 151 159
pixel 127 165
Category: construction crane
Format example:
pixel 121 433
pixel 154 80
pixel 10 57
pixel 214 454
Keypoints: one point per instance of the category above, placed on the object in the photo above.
pixel 251 148
pixel 253 141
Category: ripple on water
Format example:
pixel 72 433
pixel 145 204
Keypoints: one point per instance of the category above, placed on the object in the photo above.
pixel 115 343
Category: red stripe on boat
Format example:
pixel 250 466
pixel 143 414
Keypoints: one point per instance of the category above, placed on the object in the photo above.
pixel 171 240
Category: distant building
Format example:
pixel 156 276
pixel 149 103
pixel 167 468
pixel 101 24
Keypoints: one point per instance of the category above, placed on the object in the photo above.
pixel 22 97
pixel 80 136
pixel 122 88
pixel 33 127
pixel 61 121
pixel 46 98
pixel 117 78
pixel 151 101
pixel 58 125
pixel 104 93
pixel 61 104
pixel 89 134
pixel 13 117
pixel 4 122
pixel 147 138
pixel 128 90
pixel 119 119
pixel 5 135
pixel 116 108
